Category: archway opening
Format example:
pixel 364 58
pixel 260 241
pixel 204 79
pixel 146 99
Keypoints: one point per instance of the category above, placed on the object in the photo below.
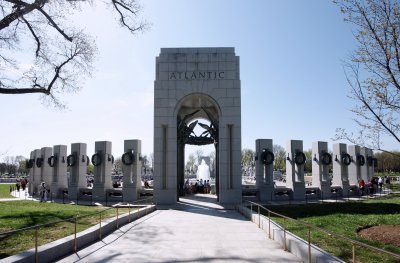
pixel 200 165
pixel 197 138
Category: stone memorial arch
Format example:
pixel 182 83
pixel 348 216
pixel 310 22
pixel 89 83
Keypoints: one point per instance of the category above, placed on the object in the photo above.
pixel 195 84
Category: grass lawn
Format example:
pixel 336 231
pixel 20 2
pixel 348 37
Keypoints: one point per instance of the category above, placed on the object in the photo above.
pixel 5 190
pixel 20 214
pixel 394 187
pixel 344 219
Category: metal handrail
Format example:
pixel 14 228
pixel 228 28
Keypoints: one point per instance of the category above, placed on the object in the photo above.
pixel 74 219
pixel 67 219
pixel 352 241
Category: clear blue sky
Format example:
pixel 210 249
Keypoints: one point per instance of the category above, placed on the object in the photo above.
pixel 292 79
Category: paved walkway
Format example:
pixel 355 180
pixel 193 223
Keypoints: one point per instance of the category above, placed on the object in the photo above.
pixel 195 230
pixel 18 195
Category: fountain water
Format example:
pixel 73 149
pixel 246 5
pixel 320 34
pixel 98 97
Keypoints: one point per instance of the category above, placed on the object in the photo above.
pixel 203 171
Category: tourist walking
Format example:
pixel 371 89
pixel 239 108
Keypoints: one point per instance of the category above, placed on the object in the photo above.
pixel 23 182
pixel 371 187
pixel 43 192
pixel 361 186
pixel 18 185
pixel 380 182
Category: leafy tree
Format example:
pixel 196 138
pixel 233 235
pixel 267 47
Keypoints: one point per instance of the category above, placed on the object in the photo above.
pixel 191 163
pixel 10 164
pixel 117 167
pixel 212 160
pixel 151 160
pixel 199 153
pixel 373 72
pixel 388 162
pixel 22 169
pixel 308 163
pixel 40 34
pixel 247 157
pixel 280 157
pixel 89 169
pixel 3 168
pixel 247 161
pixel 146 164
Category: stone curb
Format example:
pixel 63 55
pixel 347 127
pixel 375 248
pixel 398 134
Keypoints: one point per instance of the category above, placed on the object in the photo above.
pixel 65 246
pixel 294 244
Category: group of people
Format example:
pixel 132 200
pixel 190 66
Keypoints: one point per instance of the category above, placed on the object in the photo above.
pixel 373 184
pixel 43 190
pixel 200 186
pixel 21 184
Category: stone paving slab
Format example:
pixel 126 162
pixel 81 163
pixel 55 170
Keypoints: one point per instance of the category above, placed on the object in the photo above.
pixel 187 235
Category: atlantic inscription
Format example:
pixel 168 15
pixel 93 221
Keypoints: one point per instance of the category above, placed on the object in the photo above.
pixel 192 75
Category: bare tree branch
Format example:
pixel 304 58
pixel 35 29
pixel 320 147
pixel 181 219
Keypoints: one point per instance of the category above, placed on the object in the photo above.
pixel 373 74
pixel 62 54
pixel 34 36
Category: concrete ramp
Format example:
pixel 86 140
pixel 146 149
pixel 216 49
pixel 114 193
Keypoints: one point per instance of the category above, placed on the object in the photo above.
pixel 190 232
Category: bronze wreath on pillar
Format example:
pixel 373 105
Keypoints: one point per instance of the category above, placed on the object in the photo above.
pixel 71 160
pixel 370 160
pixel 361 160
pixel 299 158
pixel 128 158
pixel 267 157
pixel 52 160
pixel 30 163
pixel 39 162
pixel 96 159
pixel 326 158
pixel 346 159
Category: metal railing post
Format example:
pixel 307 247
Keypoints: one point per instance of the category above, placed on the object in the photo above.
pixel 100 227
pixel 284 234
pixel 75 235
pixel 269 224
pixel 129 213
pixel 354 252
pixel 309 244
pixel 117 216
pixel 36 245
pixel 251 211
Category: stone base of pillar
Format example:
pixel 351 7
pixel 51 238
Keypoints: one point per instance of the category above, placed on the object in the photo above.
pixel 266 193
pixel 130 193
pixel 98 193
pixel 230 197
pixel 166 196
pixel 299 191
pixel 73 192
pixel 55 190
pixel 345 188
pixel 325 189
